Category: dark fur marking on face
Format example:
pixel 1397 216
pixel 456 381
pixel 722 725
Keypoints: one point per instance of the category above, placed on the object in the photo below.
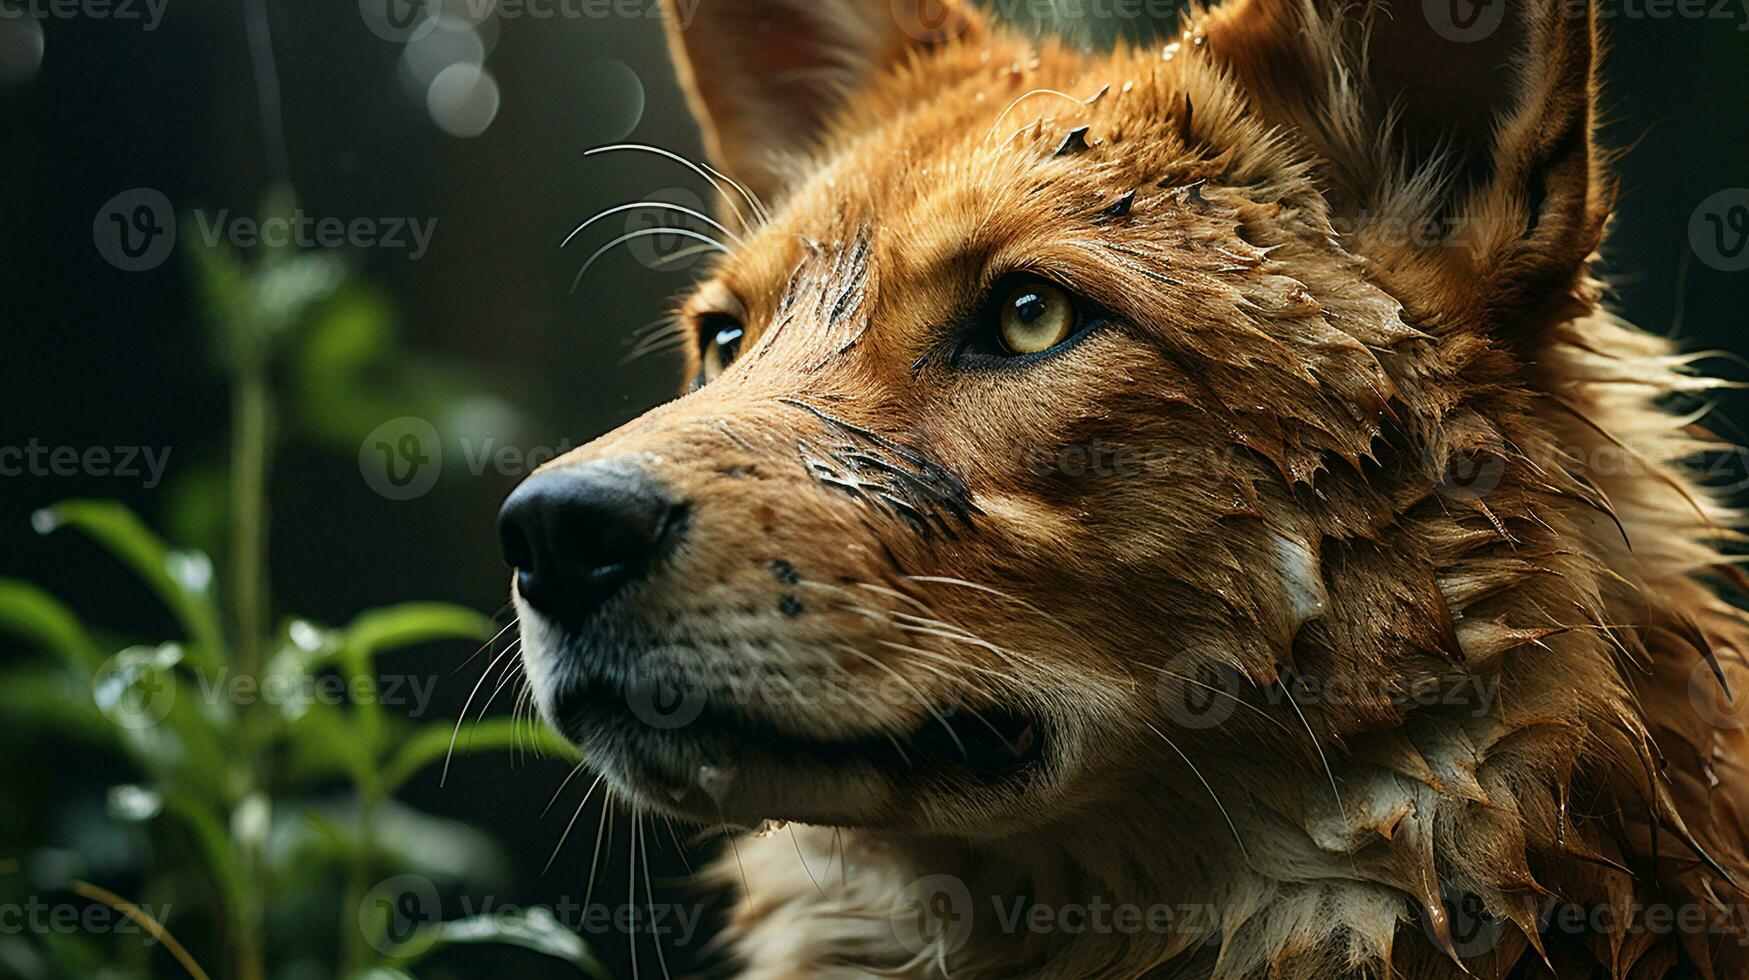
pixel 790 606
pixel 1121 207
pixel 1073 143
pixel 892 477
pixel 784 572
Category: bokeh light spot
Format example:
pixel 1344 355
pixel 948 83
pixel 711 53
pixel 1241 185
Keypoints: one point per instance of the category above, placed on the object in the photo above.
pixel 614 100
pixel 463 99
pixel 21 49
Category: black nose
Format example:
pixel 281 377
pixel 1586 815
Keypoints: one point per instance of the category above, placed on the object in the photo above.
pixel 577 535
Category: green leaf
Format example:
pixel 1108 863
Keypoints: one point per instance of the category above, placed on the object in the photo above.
pixel 321 742
pixel 35 616
pixel 182 580
pixel 401 840
pixel 413 623
pixel 57 698
pixel 210 835
pixel 431 743
pixel 535 929
pixel 389 628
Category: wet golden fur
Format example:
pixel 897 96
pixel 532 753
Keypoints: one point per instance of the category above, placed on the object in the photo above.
pixel 1345 452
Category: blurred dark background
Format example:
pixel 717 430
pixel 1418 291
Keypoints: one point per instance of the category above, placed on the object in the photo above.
pixel 481 126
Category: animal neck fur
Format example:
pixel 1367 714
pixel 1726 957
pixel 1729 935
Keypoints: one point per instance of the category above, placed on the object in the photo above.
pixel 1579 773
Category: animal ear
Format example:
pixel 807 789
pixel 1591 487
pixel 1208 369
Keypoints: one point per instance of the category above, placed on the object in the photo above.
pixel 765 77
pixel 1456 137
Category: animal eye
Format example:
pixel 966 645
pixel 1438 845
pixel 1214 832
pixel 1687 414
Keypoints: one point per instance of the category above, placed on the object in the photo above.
pixel 722 344
pixel 1035 316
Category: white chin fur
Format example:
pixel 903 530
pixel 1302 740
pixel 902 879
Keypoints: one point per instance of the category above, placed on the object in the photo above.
pixel 540 657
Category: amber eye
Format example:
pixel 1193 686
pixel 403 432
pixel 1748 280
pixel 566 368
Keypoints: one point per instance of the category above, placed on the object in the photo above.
pixel 1034 317
pixel 722 343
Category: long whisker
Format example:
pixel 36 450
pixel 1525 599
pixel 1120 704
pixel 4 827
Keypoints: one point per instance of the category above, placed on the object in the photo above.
pixel 464 712
pixel 1241 702
pixel 580 767
pixel 665 321
pixel 567 834
pixel 803 859
pixel 632 890
pixel 656 205
pixel 679 847
pixel 643 233
pixel 514 621
pixel 998 593
pixel 746 889
pixel 921 700
pixel 656 334
pixel 1205 785
pixel 605 824
pixel 512 671
pixel 650 896
pixel 659 344
pixel 680 255
pixel 1037 91
pixel 1317 747
pixel 705 170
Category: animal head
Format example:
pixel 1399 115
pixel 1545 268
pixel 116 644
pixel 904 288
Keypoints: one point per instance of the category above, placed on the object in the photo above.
pixel 1038 394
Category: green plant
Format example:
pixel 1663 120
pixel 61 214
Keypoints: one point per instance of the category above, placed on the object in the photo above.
pixel 252 800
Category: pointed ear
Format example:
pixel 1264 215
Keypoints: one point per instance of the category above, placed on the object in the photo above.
pixel 765 76
pixel 1474 118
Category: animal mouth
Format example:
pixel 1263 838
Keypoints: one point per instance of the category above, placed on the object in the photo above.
pixel 682 758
